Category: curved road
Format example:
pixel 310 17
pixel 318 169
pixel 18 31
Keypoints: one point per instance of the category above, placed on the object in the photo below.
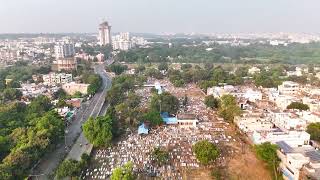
pixel 78 143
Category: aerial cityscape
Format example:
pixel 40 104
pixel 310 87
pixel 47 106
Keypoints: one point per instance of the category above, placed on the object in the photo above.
pixel 107 100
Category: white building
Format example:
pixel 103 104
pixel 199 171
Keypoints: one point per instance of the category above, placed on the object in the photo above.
pixel 288 88
pixel 295 160
pixel 288 121
pixel 122 42
pixel 249 123
pixel 64 50
pixel 187 120
pixel 311 117
pixel 293 138
pixel 252 95
pixel 104 34
pixel 72 88
pixel 56 78
pixel 282 101
pixel 218 92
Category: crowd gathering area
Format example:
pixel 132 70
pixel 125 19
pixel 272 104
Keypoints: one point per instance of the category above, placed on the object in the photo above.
pixel 175 139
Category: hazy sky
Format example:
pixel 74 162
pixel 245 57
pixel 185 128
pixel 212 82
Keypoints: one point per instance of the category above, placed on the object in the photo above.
pixel 158 16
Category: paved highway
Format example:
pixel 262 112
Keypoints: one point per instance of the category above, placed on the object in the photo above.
pixel 91 108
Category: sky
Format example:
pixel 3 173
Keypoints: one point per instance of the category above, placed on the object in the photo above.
pixel 160 16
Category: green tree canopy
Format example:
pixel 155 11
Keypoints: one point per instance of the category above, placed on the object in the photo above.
pixel 163 66
pixel 123 173
pixel 298 105
pixel 117 68
pixel 12 94
pixel 205 151
pixel 314 130
pixel 165 102
pixel 211 101
pixel 160 156
pixel 228 108
pixel 98 131
pixel 268 153
pixel 153 117
pixel 68 168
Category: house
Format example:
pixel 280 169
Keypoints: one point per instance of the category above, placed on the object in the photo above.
pixel 250 122
pixel 295 160
pixel 289 121
pixel 293 138
pixel 74 102
pixel 72 88
pixel 56 78
pixel 220 91
pixel 282 101
pixel 311 117
pixel 288 88
pixel 187 120
pixel 182 120
pixel 252 95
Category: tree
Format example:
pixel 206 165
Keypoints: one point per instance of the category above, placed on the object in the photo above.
pixel 38 106
pixel 68 168
pixel 163 66
pixel 298 105
pixel 268 153
pixel 153 117
pixel 205 151
pixel 95 82
pixel 164 102
pixel 160 156
pixel 123 173
pixel 314 130
pixel 12 94
pixel 211 101
pixel 228 108
pixel 140 68
pixel 117 68
pixel 98 131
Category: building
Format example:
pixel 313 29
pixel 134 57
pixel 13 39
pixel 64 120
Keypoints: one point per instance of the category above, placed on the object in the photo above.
pixel 282 101
pixel 252 95
pixel 295 160
pixel 72 88
pixel 288 88
pixel 293 138
pixel 289 121
pixel 122 42
pixel 187 120
pixel 220 91
pixel 56 78
pixel 67 64
pixel 182 120
pixel 250 122
pixel 64 50
pixel 104 34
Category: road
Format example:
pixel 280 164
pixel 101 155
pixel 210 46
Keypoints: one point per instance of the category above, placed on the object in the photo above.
pixel 74 136
pixel 82 145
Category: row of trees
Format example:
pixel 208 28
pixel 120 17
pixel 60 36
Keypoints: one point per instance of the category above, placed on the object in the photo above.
pixel 27 133
pixel 254 53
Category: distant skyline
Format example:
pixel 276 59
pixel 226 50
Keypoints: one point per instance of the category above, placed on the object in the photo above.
pixel 160 16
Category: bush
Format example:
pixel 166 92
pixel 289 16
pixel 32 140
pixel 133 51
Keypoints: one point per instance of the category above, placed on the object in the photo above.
pixel 205 151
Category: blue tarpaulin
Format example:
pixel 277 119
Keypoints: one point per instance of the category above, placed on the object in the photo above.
pixel 167 119
pixel 142 129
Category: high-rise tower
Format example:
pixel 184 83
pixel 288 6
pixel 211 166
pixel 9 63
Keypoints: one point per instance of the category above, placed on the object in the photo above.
pixel 104 34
